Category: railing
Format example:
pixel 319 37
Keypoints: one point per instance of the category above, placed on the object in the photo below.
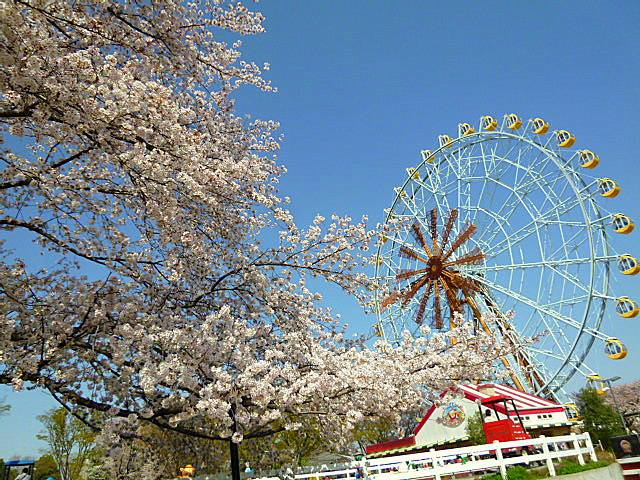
pixel 497 456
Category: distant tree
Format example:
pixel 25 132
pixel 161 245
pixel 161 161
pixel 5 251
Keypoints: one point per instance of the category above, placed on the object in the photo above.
pixel 158 453
pixel 70 441
pixel 600 419
pixel 95 468
pixel 475 429
pixel 297 447
pixel 46 467
pixel 628 397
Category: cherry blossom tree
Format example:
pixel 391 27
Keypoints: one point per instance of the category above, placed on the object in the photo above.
pixel 150 268
pixel 627 397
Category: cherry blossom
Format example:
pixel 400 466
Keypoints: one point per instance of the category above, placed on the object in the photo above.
pixel 150 268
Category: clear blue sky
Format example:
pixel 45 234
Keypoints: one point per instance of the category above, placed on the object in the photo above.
pixel 364 86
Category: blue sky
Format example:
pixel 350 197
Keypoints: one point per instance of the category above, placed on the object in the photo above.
pixel 364 86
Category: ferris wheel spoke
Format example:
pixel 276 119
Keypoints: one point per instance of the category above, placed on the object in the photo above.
pixel 542 263
pixel 521 191
pixel 547 353
pixel 437 195
pixel 528 301
pixel 537 181
pixel 578 235
pixel 530 228
pixel 567 301
pixel 575 281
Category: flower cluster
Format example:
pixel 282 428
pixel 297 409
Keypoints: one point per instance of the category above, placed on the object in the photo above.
pixel 163 298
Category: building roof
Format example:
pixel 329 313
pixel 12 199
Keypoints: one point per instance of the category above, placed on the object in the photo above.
pixel 522 400
pixel 19 463
pixel 525 403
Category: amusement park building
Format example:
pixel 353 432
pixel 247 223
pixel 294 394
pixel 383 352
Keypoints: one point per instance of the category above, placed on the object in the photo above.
pixel 445 425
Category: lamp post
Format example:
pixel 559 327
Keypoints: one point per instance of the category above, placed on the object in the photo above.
pixel 608 381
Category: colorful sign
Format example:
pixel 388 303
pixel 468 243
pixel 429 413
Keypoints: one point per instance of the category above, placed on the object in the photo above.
pixel 452 415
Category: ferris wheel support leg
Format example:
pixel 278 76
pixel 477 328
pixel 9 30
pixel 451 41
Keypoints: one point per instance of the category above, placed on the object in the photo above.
pixel 505 361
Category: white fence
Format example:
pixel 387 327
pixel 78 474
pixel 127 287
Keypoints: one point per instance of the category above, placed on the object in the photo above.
pixel 477 459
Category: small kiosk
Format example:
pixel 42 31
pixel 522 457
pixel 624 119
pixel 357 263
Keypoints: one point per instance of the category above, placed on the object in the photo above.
pixel 19 465
pixel 505 429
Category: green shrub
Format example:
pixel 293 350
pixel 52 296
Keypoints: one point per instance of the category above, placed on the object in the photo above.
pixel 513 473
pixel 518 473
pixel 563 468
pixel 492 476
pixel 569 466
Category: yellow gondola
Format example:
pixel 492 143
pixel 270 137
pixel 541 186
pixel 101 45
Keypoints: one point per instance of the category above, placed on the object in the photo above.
pixel 597 383
pixel 623 224
pixel 589 159
pixel 376 260
pixel 465 129
pixel 572 412
pixel 565 138
pixel 627 308
pixel 377 329
pixel 445 141
pixel 400 191
pixel 608 188
pixel 615 349
pixel 489 123
pixel 540 126
pixel 513 121
pixel 427 156
pixel 413 173
pixel 628 264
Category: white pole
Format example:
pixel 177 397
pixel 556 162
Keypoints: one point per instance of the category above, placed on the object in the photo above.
pixel 576 447
pixel 434 464
pixel 500 458
pixel 548 458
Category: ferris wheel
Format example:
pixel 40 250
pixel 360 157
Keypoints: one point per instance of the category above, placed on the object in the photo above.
pixel 508 218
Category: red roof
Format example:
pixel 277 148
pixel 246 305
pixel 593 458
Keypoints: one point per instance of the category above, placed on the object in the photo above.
pixel 494 399
pixel 391 445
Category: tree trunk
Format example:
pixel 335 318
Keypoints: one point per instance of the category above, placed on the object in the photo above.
pixel 235 460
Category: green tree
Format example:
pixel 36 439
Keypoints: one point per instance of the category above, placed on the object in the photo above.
pixel 70 441
pixel 475 430
pixel 46 467
pixel 600 419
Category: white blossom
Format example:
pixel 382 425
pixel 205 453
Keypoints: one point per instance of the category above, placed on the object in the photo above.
pixel 178 292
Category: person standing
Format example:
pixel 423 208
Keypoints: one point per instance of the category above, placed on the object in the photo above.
pixel 24 475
